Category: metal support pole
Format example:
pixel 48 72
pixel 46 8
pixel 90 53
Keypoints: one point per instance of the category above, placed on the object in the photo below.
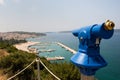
pixel 85 77
pixel 38 67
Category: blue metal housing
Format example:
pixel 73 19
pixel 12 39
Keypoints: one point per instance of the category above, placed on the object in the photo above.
pixel 88 57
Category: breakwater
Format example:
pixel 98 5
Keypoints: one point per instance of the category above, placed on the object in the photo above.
pixel 66 47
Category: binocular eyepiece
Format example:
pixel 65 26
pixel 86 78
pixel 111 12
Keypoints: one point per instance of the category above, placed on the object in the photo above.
pixel 109 25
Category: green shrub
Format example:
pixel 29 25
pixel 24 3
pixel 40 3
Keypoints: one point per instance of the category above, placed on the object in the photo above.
pixel 16 62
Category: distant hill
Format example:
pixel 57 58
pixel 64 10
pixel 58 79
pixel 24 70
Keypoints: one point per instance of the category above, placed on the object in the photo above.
pixel 65 31
pixel 117 30
pixel 30 33
pixel 19 35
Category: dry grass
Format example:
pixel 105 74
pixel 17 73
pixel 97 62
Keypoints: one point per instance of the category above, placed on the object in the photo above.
pixel 2 75
pixel 3 53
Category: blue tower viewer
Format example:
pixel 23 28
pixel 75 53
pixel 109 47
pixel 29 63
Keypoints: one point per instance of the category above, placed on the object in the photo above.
pixel 88 58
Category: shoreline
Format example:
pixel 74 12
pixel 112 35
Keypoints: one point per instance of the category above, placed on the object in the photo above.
pixel 25 46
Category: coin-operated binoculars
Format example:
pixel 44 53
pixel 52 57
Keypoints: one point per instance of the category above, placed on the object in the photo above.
pixel 88 58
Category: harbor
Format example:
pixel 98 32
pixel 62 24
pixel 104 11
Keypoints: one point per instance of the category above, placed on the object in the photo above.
pixel 54 52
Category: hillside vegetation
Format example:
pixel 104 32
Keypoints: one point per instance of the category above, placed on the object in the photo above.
pixel 18 60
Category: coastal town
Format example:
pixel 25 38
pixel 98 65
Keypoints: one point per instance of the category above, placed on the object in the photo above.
pixel 19 35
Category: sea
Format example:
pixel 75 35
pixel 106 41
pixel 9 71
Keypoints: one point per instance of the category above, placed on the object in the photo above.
pixel 109 50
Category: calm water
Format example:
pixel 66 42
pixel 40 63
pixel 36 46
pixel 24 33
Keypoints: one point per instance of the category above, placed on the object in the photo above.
pixel 110 50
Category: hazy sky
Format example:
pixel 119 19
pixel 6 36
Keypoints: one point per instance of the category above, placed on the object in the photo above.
pixel 56 15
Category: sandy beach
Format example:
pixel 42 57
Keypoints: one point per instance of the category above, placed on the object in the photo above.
pixel 25 46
